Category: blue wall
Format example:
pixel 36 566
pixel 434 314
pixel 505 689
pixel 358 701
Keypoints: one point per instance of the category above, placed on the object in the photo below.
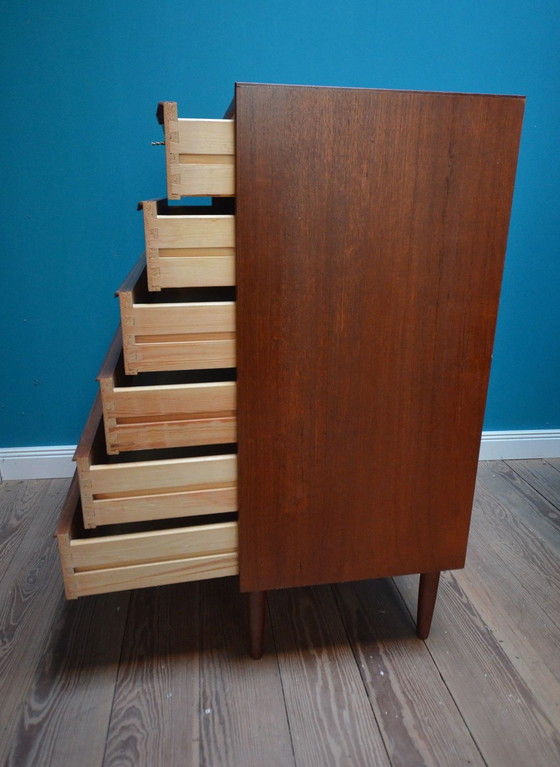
pixel 82 81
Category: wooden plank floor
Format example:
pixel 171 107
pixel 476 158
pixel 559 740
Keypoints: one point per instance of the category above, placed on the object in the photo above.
pixel 162 676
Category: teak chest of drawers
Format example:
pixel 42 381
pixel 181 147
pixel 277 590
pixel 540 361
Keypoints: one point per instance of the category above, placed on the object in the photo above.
pixel 335 321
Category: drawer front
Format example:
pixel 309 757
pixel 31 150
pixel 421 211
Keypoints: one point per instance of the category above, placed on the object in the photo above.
pixel 200 155
pixel 188 250
pixel 127 560
pixel 159 488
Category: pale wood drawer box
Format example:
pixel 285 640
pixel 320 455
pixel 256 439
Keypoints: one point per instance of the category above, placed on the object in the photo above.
pixel 175 329
pixel 189 246
pixel 163 410
pixel 125 557
pixel 153 484
pixel 199 155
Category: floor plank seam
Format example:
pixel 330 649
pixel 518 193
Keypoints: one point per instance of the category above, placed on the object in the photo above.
pixel 547 546
pixel 442 677
pixel 351 645
pixel 58 499
pixel 27 690
pixel 552 501
pixel 275 647
pixel 117 676
pixel 45 707
pixel 26 521
pixel 200 645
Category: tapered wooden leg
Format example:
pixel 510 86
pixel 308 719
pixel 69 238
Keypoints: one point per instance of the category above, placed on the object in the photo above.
pixel 257 615
pixel 427 593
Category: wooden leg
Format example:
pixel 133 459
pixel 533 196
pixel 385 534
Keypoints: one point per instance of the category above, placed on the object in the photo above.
pixel 257 615
pixel 427 593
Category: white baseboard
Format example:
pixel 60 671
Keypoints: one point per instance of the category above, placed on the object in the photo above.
pixel 56 461
pixel 36 462
pixel 509 445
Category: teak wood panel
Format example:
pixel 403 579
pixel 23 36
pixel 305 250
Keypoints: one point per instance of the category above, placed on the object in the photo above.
pixel 199 155
pixel 372 227
pixel 163 414
pixel 188 246
pixel 130 560
pixel 175 335
pixel 153 485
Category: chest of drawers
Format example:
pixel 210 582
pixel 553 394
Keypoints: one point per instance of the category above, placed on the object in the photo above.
pixel 364 259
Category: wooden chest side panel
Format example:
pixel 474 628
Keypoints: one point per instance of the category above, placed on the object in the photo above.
pixel 371 231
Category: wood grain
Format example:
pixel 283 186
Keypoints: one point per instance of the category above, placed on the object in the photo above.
pixel 205 137
pixel 30 595
pixel 66 714
pixel 418 717
pixel 176 329
pixel 543 477
pixel 502 713
pixel 490 640
pixel 188 246
pixel 515 582
pixel 331 721
pixel 18 501
pixel 427 594
pixel 198 153
pixel 175 543
pixel 243 716
pixel 154 484
pixel 526 539
pixel 372 227
pixel 155 717
pixel 162 415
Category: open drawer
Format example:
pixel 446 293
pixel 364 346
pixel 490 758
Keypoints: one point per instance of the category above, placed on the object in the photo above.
pixel 135 556
pixel 152 484
pixel 199 154
pixel 175 329
pixel 189 246
pixel 161 410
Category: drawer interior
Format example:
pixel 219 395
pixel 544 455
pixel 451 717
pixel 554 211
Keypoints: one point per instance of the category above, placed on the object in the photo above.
pixel 161 379
pixel 165 410
pixel 136 285
pixel 200 154
pixel 189 245
pixel 224 206
pixel 97 455
pixel 152 484
pixel 176 328
pixel 127 556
